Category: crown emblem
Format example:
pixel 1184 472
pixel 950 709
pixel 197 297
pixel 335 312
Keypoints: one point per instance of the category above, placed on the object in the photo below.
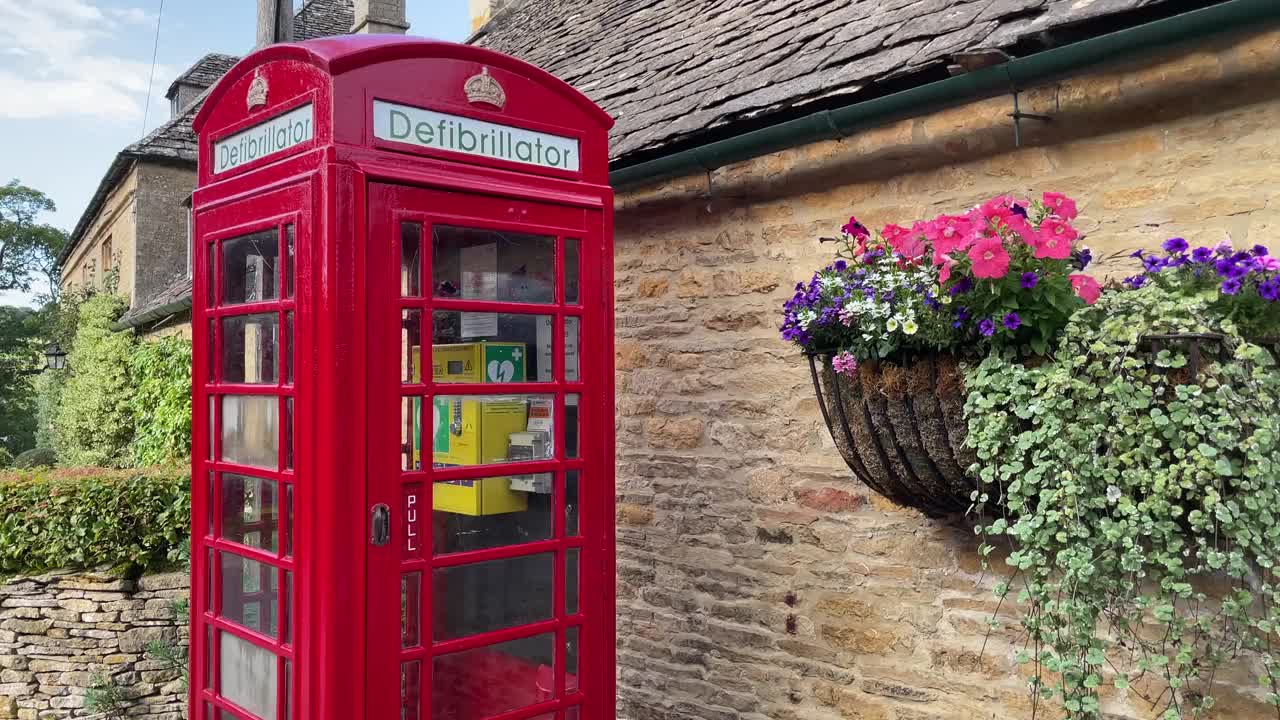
pixel 483 88
pixel 257 96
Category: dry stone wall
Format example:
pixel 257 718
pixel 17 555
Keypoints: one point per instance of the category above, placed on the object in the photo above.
pixel 63 632
pixel 757 579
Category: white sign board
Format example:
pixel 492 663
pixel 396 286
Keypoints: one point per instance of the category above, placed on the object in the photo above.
pixel 273 136
pixel 430 129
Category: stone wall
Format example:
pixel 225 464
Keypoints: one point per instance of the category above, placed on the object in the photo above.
pixel 757 579
pixel 63 632
pixel 162 246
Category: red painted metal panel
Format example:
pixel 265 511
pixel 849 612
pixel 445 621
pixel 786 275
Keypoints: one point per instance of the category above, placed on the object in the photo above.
pixel 338 629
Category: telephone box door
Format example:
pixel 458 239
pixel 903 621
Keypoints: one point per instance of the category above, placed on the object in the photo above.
pixel 489 485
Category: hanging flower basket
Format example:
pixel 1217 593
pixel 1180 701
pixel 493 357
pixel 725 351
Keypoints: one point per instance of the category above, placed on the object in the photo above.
pixel 901 428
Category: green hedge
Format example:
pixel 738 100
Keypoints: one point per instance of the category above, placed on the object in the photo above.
pixel 90 517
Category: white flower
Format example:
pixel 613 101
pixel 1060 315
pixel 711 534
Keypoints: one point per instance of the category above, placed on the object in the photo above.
pixel 891 325
pixel 945 299
pixel 910 327
pixel 1113 494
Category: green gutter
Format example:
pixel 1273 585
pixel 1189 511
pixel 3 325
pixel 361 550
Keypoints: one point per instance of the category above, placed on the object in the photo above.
pixel 1020 73
pixel 156 313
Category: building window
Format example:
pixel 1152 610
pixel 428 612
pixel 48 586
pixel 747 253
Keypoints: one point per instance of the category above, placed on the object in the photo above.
pixel 106 258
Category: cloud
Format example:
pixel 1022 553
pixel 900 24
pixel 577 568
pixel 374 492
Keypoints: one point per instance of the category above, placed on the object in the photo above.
pixel 57 61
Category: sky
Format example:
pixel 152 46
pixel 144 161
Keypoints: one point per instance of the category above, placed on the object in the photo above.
pixel 74 78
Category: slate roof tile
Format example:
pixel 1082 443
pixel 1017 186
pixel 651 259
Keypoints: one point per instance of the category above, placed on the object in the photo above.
pixel 204 72
pixel 671 70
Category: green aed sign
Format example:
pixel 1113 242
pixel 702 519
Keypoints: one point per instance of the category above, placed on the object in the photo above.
pixel 427 128
pixel 273 136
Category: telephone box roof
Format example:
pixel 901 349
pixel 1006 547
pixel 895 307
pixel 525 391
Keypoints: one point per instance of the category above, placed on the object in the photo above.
pixel 339 55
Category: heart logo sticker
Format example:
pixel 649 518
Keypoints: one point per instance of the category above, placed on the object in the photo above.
pixel 501 371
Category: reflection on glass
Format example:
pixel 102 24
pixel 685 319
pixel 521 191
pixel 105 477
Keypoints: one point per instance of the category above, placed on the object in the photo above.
pixel 571 659
pixel 288 260
pixel 208 656
pixel 462 683
pixel 249 592
pixel 410 690
pixel 213 424
pixel 572 353
pixel 288 694
pixel 250 346
pixel 248 675
pixel 571 272
pixel 476 347
pixel 572 424
pixel 212 340
pixel 289 351
pixel 486 429
pixel 410 259
pixel 410 609
pixel 491 512
pixel 250 435
pixel 572 501
pixel 249 267
pixel 288 520
pixel 493 595
pixel 287 612
pixel 210 488
pixel 250 513
pixel 571 583
pixel 288 433
pixel 211 274
pixel 411 433
pixel 476 264
pixel 411 346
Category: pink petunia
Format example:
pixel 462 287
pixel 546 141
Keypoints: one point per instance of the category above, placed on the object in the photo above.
pixel 906 242
pixel 1054 239
pixel 1061 205
pixel 944 263
pixel 989 258
pixel 949 232
pixel 1086 287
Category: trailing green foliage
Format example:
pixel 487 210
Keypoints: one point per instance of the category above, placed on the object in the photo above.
pixel 95 420
pixel 161 402
pixel 1125 488
pixel 90 518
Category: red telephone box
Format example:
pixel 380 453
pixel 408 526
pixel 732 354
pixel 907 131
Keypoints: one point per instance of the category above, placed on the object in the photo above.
pixel 403 319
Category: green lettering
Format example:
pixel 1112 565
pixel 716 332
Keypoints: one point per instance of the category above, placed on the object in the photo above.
pixel 426 134
pixel 397 115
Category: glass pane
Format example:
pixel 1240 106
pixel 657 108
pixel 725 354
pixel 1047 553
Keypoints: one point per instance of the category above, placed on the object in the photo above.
pixel 249 431
pixel 491 512
pixel 571 351
pixel 571 424
pixel 410 259
pixel 476 264
pixel 288 260
pixel 288 344
pixel 571 271
pixel 248 675
pixel 571 583
pixel 410 690
pixel 211 293
pixel 287 609
pixel 250 591
pixel 411 346
pixel 572 713
pixel 410 609
pixel 485 429
pixel 210 571
pixel 493 595
pixel 210 488
pixel 288 433
pixel 213 424
pixel 208 656
pixel 288 520
pixel 411 433
pixel 250 511
pixel 571 660
pixel 288 692
pixel 249 267
pixel 572 501
pixel 464 685
pixel 475 347
pixel 250 346
pixel 212 338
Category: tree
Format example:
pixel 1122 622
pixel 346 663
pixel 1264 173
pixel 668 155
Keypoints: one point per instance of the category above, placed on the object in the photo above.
pixel 20 332
pixel 27 249
pixel 94 419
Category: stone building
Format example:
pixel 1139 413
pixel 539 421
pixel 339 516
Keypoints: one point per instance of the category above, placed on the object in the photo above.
pixel 757 579
pixel 136 223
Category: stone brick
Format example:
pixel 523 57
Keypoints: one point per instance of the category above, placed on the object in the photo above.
pixel 675 433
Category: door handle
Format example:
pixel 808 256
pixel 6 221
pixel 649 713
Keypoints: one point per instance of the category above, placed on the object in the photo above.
pixel 380 525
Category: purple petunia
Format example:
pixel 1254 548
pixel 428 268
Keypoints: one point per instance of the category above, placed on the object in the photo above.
pixel 1270 290
pixel 841 265
pixel 1029 280
pixel 1082 258
pixel 1202 254
pixel 1136 281
pixel 1012 321
pixel 1260 250
pixel 1230 286
pixel 987 327
pixel 1152 263
pixel 1174 245
pixel 961 287
pixel 1139 253
pixel 1019 210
